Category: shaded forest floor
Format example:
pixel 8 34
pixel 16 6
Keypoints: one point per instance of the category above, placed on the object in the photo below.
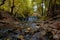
pixel 11 29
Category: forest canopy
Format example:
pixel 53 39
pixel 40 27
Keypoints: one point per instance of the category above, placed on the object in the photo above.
pixel 25 8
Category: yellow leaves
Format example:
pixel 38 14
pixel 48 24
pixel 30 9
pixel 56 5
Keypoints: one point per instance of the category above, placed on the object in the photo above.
pixel 5 6
pixel 8 39
pixel 39 1
pixel 21 6
pixel 58 2
pixel 21 37
pixel 0 2
pixel 17 2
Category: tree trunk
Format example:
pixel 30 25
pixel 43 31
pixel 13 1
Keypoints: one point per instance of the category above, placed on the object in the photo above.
pixel 12 8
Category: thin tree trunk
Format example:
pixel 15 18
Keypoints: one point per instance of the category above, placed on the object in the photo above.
pixel 42 9
pixel 12 8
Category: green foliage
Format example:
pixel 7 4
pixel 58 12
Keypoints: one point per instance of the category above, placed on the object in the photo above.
pixel 22 7
pixel 58 1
